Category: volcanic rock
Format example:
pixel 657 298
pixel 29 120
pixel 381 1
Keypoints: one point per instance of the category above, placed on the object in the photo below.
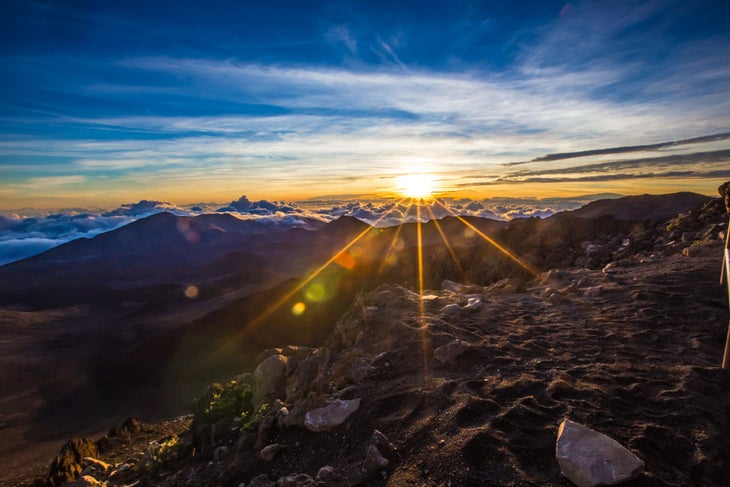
pixel 325 474
pixel 269 378
pixel 261 481
pixel 334 414
pixel 374 460
pixel 451 351
pixel 67 465
pixel 296 480
pixel 269 452
pixel 83 481
pixel 589 458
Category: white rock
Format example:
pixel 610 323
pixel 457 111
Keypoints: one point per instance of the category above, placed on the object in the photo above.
pixel 334 414
pixel 589 458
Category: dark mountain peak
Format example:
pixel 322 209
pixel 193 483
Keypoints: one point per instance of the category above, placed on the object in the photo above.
pixel 344 225
pixel 643 207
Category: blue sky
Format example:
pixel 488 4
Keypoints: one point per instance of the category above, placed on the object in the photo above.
pixel 111 102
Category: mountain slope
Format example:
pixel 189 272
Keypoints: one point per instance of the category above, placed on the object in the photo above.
pixel 469 389
pixel 644 207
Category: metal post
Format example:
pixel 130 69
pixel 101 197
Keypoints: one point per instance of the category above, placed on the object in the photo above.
pixel 723 272
pixel 724 191
pixel 726 355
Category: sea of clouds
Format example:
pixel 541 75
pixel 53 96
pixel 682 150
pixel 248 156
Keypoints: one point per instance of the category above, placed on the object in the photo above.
pixel 26 233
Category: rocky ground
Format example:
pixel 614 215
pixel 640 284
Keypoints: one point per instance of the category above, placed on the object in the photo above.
pixel 466 385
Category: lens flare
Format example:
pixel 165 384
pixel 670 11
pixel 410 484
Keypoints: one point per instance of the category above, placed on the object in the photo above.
pixel 496 245
pixel 298 308
pixel 423 326
pixel 316 292
pixel 191 292
pixel 448 245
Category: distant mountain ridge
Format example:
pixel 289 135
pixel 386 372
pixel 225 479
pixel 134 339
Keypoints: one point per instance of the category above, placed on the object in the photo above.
pixel 643 207
pixel 170 250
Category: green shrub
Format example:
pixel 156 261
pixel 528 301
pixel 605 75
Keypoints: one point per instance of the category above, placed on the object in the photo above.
pixel 166 451
pixel 229 402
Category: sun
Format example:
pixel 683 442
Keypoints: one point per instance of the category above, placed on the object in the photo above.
pixel 417 185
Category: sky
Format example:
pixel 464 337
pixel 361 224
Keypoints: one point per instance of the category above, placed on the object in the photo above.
pixel 105 103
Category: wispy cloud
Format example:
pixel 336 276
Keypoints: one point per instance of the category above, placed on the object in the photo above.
pixel 626 149
pixel 708 165
pixel 371 97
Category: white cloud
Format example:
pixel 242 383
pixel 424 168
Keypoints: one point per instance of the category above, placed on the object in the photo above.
pixel 28 235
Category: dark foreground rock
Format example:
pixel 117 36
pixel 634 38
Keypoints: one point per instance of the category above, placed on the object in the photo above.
pixel 67 465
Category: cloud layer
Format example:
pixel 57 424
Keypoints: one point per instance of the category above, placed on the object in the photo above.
pixel 23 236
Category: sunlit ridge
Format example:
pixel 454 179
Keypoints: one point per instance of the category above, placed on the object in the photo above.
pixel 342 257
pixel 337 256
pixel 446 242
pixel 506 252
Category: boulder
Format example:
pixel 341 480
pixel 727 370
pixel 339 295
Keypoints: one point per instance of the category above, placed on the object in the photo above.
pixel 269 380
pixel 374 460
pixel 92 467
pixel 589 458
pixel 296 480
pixel 269 452
pixel 220 453
pixel 450 309
pixel 325 474
pixel 698 250
pixel 298 384
pixel 130 425
pixel 83 481
pixel 451 351
pixel 261 481
pixel 452 286
pixel 375 454
pixel 592 292
pixel 334 414
pixel 67 465
pixel 473 303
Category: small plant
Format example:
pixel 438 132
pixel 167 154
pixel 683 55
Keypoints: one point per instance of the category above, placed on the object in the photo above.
pixel 161 453
pixel 230 402
pixel 247 421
